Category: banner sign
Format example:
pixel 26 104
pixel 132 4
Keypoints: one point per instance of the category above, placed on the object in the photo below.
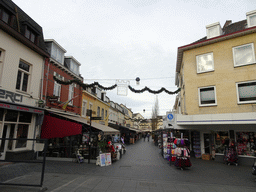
pixel 122 87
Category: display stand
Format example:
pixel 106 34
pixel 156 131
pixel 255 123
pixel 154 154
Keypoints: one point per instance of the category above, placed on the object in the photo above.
pixel 230 154
pixel 196 144
pixel 182 154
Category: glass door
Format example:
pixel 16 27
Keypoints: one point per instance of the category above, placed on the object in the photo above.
pixel 8 132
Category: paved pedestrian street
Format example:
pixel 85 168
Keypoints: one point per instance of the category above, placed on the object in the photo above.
pixel 142 168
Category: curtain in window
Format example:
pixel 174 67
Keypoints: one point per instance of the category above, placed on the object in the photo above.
pixel 207 96
pixel 247 93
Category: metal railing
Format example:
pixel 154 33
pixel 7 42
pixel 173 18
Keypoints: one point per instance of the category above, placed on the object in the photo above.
pixel 34 160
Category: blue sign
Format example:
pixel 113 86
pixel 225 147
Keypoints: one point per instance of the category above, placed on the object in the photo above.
pixel 169 117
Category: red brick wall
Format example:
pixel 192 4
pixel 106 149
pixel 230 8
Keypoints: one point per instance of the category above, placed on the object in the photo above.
pixel 49 87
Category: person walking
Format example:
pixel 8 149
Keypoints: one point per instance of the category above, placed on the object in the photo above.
pixel 144 136
pixel 148 135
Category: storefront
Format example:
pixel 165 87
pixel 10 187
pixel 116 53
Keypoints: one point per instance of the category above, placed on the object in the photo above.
pixel 18 122
pixel 68 133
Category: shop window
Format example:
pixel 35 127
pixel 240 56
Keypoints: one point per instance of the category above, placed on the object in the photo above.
pixel 23 76
pixel 1 114
pixel 10 143
pixel 243 55
pixel 25 117
pixel 207 96
pixel 22 133
pixel 205 63
pixel 246 143
pixel 221 141
pixel 246 92
pixel 11 116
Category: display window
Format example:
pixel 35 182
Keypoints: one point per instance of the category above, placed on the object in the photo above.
pixel 221 141
pixel 246 143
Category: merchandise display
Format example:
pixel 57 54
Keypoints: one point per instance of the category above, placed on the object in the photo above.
pixel 182 153
pixel 230 154
pixel 196 144
pixel 246 143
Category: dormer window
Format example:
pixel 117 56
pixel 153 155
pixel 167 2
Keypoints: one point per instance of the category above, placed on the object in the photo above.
pixel 4 16
pixel 251 18
pixel 29 34
pixel 56 51
pixel 213 30
pixel 72 64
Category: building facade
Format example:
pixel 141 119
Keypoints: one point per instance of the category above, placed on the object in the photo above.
pixel 22 56
pixel 217 78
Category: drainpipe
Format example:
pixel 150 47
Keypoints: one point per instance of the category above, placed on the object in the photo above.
pixel 47 80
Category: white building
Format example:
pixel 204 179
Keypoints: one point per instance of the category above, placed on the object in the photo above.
pixel 22 57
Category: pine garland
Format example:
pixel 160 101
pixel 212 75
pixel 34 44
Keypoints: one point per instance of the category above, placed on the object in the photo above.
pixel 85 86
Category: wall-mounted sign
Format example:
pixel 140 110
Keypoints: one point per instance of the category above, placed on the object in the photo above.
pixel 13 97
pixel 169 117
pixel 21 108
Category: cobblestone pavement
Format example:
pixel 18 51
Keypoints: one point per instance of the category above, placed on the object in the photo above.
pixel 142 168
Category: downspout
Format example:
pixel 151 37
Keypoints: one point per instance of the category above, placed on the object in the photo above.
pixel 47 81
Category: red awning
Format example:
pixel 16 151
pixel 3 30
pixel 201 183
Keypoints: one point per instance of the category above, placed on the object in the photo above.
pixel 53 127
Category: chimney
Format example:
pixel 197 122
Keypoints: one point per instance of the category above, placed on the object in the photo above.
pixel 228 22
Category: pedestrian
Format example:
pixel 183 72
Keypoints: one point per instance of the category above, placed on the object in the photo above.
pixel 144 136
pixel 148 135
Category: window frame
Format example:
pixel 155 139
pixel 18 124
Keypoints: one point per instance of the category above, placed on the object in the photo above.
pixel 71 92
pixel 199 96
pixel 253 54
pixel 22 77
pixel 84 108
pixel 197 60
pixel 237 93
pixel 57 85
pixel 248 16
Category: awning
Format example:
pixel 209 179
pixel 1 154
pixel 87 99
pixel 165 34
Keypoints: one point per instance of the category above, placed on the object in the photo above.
pixel 133 129
pixel 54 127
pixel 105 128
pixel 98 126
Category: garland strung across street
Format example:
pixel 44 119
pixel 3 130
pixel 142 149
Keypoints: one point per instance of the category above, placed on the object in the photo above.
pixel 85 86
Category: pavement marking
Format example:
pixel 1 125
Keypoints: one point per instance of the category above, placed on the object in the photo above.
pixel 65 185
pixel 16 178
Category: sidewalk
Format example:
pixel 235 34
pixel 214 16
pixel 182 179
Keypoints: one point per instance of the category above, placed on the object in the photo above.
pixel 78 183
pixel 142 168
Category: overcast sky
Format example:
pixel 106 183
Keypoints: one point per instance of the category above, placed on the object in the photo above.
pixel 125 39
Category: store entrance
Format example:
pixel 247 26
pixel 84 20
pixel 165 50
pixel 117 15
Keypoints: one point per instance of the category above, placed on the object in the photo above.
pixel 5 145
pixel 207 143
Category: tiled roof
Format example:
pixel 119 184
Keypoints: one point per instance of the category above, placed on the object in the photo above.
pixel 231 28
pixel 23 20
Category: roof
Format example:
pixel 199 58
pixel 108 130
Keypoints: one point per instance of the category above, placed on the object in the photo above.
pixel 230 30
pixel 17 30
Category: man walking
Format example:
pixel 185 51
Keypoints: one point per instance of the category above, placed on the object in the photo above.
pixel 144 136
pixel 148 135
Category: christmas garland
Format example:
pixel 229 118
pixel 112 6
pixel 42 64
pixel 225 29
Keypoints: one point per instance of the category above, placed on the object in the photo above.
pixel 151 91
pixel 85 86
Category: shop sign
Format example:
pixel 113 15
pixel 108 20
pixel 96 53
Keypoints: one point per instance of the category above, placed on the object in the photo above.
pixel 21 108
pixel 14 97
